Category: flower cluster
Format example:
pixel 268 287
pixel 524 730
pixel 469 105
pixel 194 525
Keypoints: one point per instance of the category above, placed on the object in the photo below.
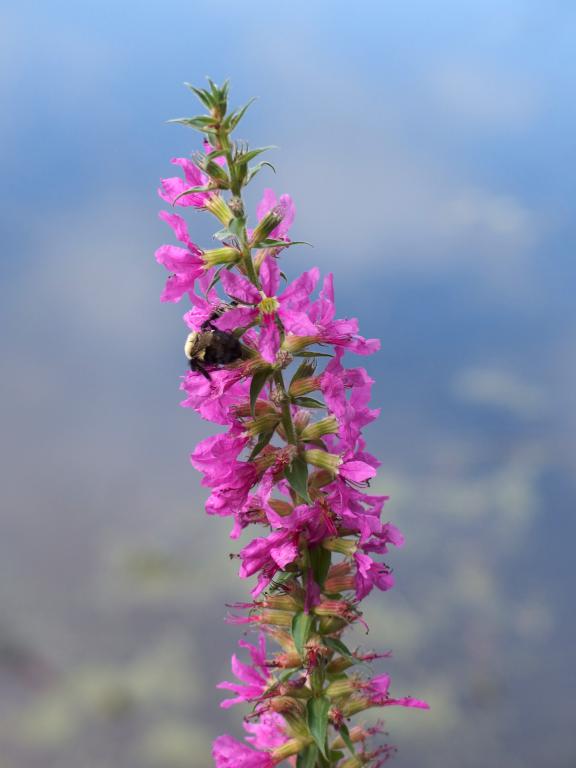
pixel 292 461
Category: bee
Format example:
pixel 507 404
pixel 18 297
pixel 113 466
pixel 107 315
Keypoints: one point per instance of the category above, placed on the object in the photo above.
pixel 211 347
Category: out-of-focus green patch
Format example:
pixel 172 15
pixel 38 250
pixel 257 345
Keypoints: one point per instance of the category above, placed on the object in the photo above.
pixel 175 745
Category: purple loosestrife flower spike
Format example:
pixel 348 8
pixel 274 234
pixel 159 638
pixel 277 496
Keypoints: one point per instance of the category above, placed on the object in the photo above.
pixel 291 462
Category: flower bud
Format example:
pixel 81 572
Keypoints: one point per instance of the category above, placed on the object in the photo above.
pixel 329 625
pixel 265 226
pixel 304 386
pixel 295 344
pixel 218 206
pixel 277 617
pixel 283 603
pixel 265 423
pixel 343 546
pixel 340 688
pixel 237 207
pixel 338 608
pixel 289 748
pixel 301 421
pixel 327 426
pixel 223 255
pixel 322 459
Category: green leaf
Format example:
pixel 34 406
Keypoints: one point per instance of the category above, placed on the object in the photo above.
pixel 345 733
pixel 320 560
pixel 247 156
pixel 263 440
pixel 259 379
pixel 301 626
pixel 337 645
pixel 200 122
pixel 334 755
pixel 307 758
pixel 297 476
pixel 317 713
pixel 236 116
pixel 222 235
pixel 203 95
pixel 237 227
pixel 191 191
pixel 271 243
pixel 308 402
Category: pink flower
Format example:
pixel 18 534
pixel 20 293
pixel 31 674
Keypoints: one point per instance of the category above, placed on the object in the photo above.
pixel 370 574
pixel 186 264
pixel 174 186
pixel 204 304
pixel 341 333
pixel 291 306
pixel 255 678
pixel 357 510
pixel 230 753
pixel 377 690
pixel 347 393
pixel 216 455
pixel 231 490
pixel 268 555
pixel 214 398
pixel 268 733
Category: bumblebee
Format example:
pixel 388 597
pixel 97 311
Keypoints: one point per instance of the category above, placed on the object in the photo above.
pixel 211 347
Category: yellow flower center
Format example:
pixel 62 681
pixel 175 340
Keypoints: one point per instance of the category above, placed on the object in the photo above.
pixel 268 305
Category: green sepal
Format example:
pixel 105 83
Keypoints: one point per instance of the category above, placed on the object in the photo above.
pixel 307 353
pixel 334 755
pixel 216 172
pixel 308 402
pixel 345 733
pixel 256 169
pixel 215 279
pixel 317 715
pixel 297 476
pixel 304 370
pixel 301 626
pixel 263 440
pixel 320 560
pixel 308 757
pixel 256 385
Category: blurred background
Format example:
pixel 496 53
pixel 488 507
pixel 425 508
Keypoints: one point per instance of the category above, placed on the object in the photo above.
pixel 429 148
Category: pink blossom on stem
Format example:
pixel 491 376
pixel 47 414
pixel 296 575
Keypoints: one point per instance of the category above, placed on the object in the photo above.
pixel 255 677
pixel 186 264
pixel 230 753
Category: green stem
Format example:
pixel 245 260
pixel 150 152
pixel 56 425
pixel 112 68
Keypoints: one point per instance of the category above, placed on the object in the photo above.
pixel 286 414
pixel 236 190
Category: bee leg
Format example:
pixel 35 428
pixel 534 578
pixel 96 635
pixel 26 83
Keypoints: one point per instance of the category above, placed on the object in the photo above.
pixel 208 325
pixel 197 367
